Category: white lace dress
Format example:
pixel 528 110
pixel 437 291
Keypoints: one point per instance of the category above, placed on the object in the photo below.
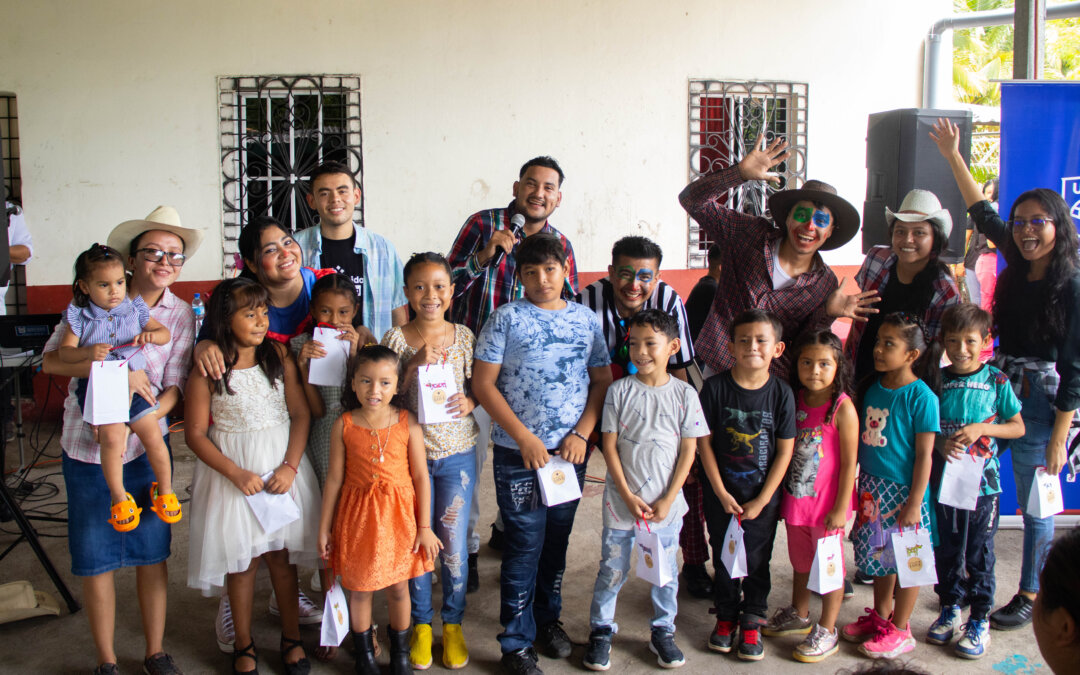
pixel 250 427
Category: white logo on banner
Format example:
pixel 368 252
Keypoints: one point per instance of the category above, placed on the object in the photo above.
pixel 1070 190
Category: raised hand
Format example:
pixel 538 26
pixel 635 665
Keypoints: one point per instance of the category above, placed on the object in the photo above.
pixel 856 306
pixel 947 136
pixel 756 164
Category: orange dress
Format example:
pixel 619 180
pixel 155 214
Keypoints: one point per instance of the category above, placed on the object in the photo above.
pixel 375 523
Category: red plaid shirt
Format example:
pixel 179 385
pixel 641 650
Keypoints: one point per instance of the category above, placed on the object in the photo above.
pixel 748 246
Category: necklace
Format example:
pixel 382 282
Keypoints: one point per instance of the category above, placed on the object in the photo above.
pixel 381 447
pixel 442 337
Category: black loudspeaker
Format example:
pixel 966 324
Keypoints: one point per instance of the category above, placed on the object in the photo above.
pixel 900 157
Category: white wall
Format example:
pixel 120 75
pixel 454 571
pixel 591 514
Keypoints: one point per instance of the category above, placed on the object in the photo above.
pixel 118 103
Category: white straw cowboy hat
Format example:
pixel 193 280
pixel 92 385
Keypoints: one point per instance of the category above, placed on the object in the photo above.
pixel 845 215
pixel 920 205
pixel 164 218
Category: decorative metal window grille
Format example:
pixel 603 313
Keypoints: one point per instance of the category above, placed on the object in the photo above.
pixel 725 118
pixel 275 131
pixel 985 151
pixel 9 155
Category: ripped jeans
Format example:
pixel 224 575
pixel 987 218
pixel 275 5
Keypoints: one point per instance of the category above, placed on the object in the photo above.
pixel 453 480
pixel 534 551
pixel 615 549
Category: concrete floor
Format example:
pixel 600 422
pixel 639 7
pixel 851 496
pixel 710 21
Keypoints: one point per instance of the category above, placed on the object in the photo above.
pixel 63 644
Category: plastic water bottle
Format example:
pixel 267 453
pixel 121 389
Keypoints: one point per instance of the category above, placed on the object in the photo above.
pixel 199 309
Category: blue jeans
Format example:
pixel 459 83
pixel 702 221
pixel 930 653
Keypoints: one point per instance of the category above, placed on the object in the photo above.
pixel 615 548
pixel 1028 453
pixel 534 549
pixel 453 480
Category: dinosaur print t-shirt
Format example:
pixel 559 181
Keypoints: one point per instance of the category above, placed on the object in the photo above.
pixel 745 425
pixel 889 420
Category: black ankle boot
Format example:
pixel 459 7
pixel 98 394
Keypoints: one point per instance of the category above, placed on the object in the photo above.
pixel 365 653
pixel 399 652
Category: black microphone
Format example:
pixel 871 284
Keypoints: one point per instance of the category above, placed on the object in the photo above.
pixel 517 223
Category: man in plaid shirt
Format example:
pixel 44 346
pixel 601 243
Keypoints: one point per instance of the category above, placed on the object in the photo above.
pixel 775 267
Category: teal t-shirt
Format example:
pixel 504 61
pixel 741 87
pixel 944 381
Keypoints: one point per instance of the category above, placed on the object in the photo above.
pixel 890 418
pixel 983 396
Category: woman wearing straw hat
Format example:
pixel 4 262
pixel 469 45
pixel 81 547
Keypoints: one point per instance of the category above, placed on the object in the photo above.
pixel 157 248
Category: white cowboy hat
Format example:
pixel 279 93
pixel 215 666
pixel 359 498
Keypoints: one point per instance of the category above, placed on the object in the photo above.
pixel 164 218
pixel 920 205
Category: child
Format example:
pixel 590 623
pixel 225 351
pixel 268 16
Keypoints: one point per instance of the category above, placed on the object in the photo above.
pixel 374 525
pixel 900 419
pixel 105 325
pixel 1057 608
pixel 752 417
pixel 451 450
pixel 649 424
pixel 541 371
pixel 256 443
pixel 817 493
pixel 977 406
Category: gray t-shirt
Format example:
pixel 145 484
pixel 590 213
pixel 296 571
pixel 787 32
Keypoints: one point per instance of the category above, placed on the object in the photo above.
pixel 650 423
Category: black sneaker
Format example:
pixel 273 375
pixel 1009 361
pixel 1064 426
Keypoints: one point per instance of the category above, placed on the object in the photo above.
pixel 496 541
pixel 662 643
pixel 160 664
pixel 751 648
pixel 553 641
pixel 520 662
pixel 696 580
pixel 849 590
pixel 723 636
pixel 473 583
pixel 598 653
pixel 1016 614
pixel 864 579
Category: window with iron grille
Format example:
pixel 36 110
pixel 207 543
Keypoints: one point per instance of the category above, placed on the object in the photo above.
pixel 275 131
pixel 9 155
pixel 725 117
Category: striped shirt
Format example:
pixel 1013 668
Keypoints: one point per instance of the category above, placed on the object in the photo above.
pixel 748 245
pixel 118 326
pixel 166 366
pixel 479 291
pixel 599 296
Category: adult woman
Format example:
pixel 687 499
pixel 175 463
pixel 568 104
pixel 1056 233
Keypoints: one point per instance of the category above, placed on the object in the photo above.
pixel 157 248
pixel 1037 320
pixel 908 275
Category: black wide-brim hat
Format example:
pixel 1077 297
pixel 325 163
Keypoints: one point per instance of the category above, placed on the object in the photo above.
pixel 845 216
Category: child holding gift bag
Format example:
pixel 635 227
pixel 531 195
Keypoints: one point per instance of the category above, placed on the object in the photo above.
pixel 817 493
pixel 450 446
pixel 900 421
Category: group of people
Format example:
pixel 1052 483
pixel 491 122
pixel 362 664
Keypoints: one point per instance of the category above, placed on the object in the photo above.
pixel 789 424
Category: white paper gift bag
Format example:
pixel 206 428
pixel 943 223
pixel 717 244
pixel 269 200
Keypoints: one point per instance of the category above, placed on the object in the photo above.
pixel 914 551
pixel 335 617
pixel 273 511
pixel 652 562
pixel 436 384
pixel 108 400
pixel 827 570
pixel 329 371
pixel 558 482
pixel 733 552
pixel 960 482
pixel 1044 499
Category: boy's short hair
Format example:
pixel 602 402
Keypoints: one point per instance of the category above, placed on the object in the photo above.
pixel 637 248
pixel 757 316
pixel 657 319
pixel 545 161
pixel 964 317
pixel 330 168
pixel 714 253
pixel 538 249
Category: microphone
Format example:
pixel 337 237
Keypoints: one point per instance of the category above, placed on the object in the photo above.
pixel 517 224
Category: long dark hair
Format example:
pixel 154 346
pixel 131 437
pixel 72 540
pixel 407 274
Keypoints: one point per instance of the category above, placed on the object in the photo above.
pixel 228 298
pixel 248 243
pixel 922 286
pixel 88 261
pixel 368 354
pixel 927 367
pixel 844 371
pixel 1010 298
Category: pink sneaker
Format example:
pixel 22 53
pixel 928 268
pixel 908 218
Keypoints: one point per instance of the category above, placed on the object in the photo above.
pixel 889 643
pixel 863 628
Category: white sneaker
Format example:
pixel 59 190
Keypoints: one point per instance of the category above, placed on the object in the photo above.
pixel 223 625
pixel 310 613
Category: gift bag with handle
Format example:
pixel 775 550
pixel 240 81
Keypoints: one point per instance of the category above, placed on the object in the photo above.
pixel 436 384
pixel 914 551
pixel 558 482
pixel 827 570
pixel 335 619
pixel 108 400
pixel 652 563
pixel 960 482
pixel 733 553
pixel 1045 500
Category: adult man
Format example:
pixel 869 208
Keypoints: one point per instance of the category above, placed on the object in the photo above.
pixel 773 267
pixel 340 244
pixel 483 264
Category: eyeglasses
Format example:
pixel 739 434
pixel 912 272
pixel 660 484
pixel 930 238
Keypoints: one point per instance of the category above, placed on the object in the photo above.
pixel 1037 223
pixel 155 255
pixel 806 214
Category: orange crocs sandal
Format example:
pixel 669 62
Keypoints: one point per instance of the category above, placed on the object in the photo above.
pixel 163 504
pixel 125 515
